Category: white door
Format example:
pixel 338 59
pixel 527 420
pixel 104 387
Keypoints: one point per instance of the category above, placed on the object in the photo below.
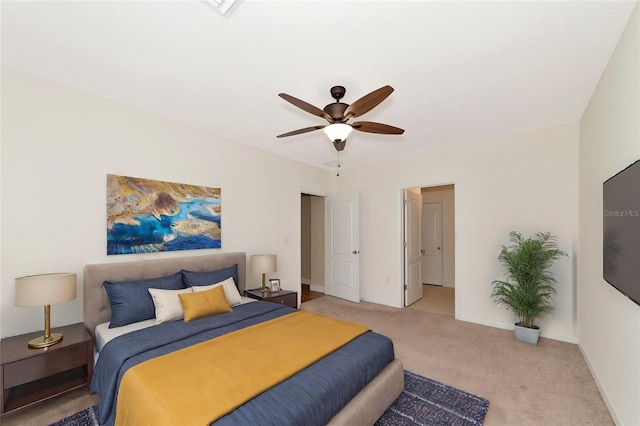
pixel 342 239
pixel 432 243
pixel 412 247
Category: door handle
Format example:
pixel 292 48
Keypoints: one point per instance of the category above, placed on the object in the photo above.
pixel 422 251
pixel 438 248
pixel 355 251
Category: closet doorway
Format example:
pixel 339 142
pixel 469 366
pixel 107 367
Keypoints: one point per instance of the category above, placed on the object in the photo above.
pixel 436 234
pixel 311 247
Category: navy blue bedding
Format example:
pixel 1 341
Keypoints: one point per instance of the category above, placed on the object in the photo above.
pixel 311 397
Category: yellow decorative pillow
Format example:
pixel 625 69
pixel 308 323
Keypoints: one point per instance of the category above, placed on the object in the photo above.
pixel 204 303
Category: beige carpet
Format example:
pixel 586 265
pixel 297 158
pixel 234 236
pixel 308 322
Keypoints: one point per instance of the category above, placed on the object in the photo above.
pixel 436 299
pixel 548 384
pixel 544 385
pixel 52 410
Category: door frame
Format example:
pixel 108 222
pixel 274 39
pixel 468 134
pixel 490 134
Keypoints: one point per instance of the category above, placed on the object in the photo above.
pixel 401 260
pixel 301 192
pixel 298 241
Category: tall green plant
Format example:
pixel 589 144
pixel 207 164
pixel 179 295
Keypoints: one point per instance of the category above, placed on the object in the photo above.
pixel 528 288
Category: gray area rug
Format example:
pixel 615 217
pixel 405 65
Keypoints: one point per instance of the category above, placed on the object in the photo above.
pixel 422 402
pixel 86 417
pixel 427 402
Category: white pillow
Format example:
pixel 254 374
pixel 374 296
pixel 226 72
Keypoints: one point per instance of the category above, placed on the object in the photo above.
pixel 231 292
pixel 167 303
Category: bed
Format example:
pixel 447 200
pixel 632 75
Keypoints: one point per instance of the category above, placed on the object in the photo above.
pixel 360 400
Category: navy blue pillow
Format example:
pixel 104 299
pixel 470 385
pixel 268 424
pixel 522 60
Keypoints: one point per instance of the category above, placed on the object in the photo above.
pixel 131 301
pixel 192 279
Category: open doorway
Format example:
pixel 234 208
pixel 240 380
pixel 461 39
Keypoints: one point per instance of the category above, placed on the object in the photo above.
pixel 436 235
pixel 311 247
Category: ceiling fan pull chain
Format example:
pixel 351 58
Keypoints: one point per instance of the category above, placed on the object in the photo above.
pixel 338 163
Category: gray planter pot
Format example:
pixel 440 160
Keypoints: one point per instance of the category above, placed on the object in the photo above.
pixel 527 335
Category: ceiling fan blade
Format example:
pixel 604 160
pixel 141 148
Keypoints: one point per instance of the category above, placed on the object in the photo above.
pixel 367 102
pixel 299 131
pixel 371 127
pixel 305 106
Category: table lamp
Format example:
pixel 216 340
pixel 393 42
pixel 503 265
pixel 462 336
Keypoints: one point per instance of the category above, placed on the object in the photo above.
pixel 263 263
pixel 45 289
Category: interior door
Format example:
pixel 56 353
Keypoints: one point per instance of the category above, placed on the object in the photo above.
pixel 342 252
pixel 432 243
pixel 412 247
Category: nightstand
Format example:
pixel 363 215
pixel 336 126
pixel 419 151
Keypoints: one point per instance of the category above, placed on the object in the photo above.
pixel 283 297
pixel 32 375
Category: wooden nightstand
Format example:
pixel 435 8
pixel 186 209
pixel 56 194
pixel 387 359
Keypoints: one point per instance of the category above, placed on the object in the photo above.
pixel 32 375
pixel 283 297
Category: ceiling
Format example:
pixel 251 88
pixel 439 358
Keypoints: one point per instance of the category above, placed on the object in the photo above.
pixel 462 71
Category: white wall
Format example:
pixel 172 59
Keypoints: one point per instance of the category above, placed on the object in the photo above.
pixel 59 144
pixel 609 324
pixel 526 182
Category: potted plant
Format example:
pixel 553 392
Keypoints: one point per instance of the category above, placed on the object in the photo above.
pixel 528 288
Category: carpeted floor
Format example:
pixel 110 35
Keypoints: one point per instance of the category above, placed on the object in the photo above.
pixel 422 402
pixel 437 300
pixel 51 410
pixel 548 384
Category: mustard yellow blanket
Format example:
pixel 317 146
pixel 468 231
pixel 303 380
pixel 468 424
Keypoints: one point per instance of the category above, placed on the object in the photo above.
pixel 201 383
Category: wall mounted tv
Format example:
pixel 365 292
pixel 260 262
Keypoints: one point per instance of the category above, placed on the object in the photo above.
pixel 621 231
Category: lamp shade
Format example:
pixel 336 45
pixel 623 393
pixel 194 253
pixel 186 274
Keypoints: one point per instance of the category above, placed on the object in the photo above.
pixel 263 263
pixel 45 289
pixel 337 132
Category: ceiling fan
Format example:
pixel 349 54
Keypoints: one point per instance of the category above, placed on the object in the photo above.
pixel 338 113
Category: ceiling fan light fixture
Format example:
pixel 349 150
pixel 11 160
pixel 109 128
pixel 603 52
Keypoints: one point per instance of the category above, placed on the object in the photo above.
pixel 338 132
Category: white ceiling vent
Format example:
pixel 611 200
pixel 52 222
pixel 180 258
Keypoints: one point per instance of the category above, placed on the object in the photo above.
pixel 220 6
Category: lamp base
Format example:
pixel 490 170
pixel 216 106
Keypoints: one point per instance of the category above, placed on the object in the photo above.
pixel 42 342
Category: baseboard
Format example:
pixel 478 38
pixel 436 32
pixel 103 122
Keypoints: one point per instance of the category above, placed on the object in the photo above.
pixel 312 287
pixel 485 322
pixel 504 326
pixel 560 337
pixel 603 393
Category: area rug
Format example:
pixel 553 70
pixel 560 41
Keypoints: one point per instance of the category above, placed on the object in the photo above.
pixel 428 402
pixel 422 402
pixel 86 417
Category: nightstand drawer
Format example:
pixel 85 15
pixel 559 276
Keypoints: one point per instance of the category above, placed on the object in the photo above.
pixel 290 300
pixel 282 297
pixel 45 364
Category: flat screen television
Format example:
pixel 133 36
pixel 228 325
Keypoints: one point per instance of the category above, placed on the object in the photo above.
pixel 621 231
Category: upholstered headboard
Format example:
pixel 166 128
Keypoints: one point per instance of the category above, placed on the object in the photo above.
pixel 96 301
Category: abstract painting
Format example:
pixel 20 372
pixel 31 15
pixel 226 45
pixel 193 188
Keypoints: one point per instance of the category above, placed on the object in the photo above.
pixel 146 216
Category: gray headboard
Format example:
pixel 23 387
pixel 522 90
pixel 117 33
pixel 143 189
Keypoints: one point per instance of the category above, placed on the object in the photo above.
pixel 96 301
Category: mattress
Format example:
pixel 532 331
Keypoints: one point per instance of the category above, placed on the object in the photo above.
pixel 104 334
pixel 311 397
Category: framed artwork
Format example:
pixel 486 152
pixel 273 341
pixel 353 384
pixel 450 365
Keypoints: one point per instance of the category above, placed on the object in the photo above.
pixel 146 216
pixel 274 285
